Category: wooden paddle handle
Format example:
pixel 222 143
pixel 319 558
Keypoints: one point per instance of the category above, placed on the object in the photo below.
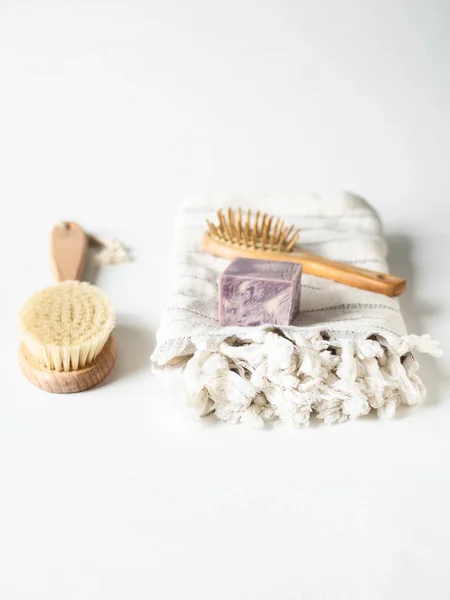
pixel 68 251
pixel 366 279
pixel 313 264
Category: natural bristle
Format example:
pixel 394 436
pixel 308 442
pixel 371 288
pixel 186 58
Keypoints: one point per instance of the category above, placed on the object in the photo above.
pixel 66 326
pixel 260 232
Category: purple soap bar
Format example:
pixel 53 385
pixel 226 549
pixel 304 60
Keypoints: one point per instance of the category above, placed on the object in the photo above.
pixel 257 292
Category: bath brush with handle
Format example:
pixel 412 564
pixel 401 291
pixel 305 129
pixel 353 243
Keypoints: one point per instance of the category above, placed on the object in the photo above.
pixel 262 236
pixel 66 328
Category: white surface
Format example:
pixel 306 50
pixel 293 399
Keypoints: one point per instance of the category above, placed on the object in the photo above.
pixel 109 114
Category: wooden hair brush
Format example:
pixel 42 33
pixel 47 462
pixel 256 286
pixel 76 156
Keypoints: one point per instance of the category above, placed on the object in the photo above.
pixel 265 237
pixel 66 329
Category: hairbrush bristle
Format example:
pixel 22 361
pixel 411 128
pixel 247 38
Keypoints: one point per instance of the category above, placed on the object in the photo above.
pixel 260 232
pixel 66 326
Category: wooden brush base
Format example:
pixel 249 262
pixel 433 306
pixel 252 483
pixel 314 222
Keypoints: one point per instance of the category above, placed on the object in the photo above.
pixel 69 382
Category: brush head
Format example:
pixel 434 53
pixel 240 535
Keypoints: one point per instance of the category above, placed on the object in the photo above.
pixel 253 231
pixel 66 326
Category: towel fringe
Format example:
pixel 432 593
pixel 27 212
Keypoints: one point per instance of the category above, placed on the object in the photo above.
pixel 288 381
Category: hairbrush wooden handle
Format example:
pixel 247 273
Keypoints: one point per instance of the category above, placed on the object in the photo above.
pixel 313 264
pixel 365 279
pixel 68 251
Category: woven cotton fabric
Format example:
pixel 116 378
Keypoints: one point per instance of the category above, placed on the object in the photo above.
pixel 347 351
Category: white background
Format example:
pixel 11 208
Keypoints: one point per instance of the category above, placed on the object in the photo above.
pixel 110 113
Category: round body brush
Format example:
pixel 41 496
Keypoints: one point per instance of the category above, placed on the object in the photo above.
pixel 66 328
pixel 262 236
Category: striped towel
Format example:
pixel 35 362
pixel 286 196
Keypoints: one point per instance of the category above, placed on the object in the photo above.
pixel 347 352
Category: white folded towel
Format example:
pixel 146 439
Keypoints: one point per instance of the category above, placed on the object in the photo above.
pixel 347 352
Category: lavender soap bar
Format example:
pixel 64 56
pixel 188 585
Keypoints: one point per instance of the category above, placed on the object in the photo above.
pixel 257 292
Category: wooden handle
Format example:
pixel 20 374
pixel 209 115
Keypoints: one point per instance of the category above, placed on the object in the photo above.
pixel 68 251
pixel 365 279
